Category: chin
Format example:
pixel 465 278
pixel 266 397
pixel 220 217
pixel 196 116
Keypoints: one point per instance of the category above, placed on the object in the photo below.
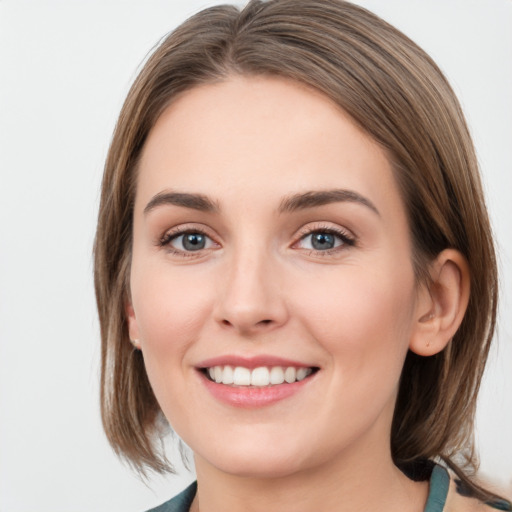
pixel 260 465
pixel 257 457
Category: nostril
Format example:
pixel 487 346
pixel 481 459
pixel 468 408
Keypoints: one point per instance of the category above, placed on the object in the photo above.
pixel 261 323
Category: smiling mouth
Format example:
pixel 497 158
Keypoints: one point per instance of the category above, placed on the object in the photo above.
pixel 263 376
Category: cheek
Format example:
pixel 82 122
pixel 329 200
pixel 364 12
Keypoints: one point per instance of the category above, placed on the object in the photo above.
pixel 363 317
pixel 170 311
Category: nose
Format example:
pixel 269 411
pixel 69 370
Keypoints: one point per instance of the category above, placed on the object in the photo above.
pixel 250 298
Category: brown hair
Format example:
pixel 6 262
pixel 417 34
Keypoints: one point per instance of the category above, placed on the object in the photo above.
pixel 397 94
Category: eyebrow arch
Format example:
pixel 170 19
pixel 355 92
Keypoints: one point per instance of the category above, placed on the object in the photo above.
pixel 194 201
pixel 311 199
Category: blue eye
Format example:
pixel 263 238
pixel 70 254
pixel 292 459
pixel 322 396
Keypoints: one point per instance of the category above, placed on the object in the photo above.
pixel 193 241
pixel 189 242
pixel 324 240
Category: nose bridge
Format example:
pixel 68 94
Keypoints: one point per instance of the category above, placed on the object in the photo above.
pixel 250 298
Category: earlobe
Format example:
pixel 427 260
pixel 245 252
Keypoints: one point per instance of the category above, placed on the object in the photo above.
pixel 133 329
pixel 441 304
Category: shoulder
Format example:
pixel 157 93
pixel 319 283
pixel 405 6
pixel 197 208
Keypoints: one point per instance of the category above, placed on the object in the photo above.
pixel 180 503
pixel 459 501
pixel 448 494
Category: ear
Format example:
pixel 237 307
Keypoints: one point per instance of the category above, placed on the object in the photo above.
pixel 441 303
pixel 133 329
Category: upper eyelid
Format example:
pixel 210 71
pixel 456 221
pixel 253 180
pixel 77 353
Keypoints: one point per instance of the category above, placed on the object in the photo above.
pixel 348 238
pixel 187 228
pixel 177 234
pixel 165 242
pixel 323 226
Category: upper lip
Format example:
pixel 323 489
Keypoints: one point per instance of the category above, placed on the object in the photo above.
pixel 251 362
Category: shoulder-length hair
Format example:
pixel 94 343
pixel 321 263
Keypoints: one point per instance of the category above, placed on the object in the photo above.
pixel 398 95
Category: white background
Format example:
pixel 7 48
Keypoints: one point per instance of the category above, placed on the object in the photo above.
pixel 65 67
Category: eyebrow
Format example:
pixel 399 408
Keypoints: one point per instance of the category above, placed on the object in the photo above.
pixel 312 199
pixel 300 201
pixel 194 201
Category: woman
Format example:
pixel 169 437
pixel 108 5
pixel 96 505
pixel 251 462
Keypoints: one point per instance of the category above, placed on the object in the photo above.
pixel 292 234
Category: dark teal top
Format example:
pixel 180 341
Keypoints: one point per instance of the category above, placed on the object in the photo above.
pixel 439 485
pixel 438 492
pixel 180 503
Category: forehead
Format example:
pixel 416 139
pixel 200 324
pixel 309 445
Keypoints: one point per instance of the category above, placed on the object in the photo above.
pixel 251 136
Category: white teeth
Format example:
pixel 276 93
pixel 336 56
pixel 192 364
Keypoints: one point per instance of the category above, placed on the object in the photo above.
pixel 218 374
pixel 302 373
pixel 227 375
pixel 276 375
pixel 259 377
pixel 289 374
pixel 241 376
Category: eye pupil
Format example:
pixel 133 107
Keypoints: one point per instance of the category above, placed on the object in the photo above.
pixel 322 241
pixel 194 241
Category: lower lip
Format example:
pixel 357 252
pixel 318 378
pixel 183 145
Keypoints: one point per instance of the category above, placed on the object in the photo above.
pixel 253 397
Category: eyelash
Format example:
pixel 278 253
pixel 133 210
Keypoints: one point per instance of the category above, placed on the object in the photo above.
pixel 346 238
pixel 169 236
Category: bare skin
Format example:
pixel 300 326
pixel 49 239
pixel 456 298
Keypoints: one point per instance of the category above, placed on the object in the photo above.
pixel 232 258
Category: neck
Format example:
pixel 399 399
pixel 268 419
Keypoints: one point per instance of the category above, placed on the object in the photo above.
pixel 362 483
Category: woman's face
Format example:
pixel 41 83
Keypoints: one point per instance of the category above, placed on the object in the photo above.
pixel 270 242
